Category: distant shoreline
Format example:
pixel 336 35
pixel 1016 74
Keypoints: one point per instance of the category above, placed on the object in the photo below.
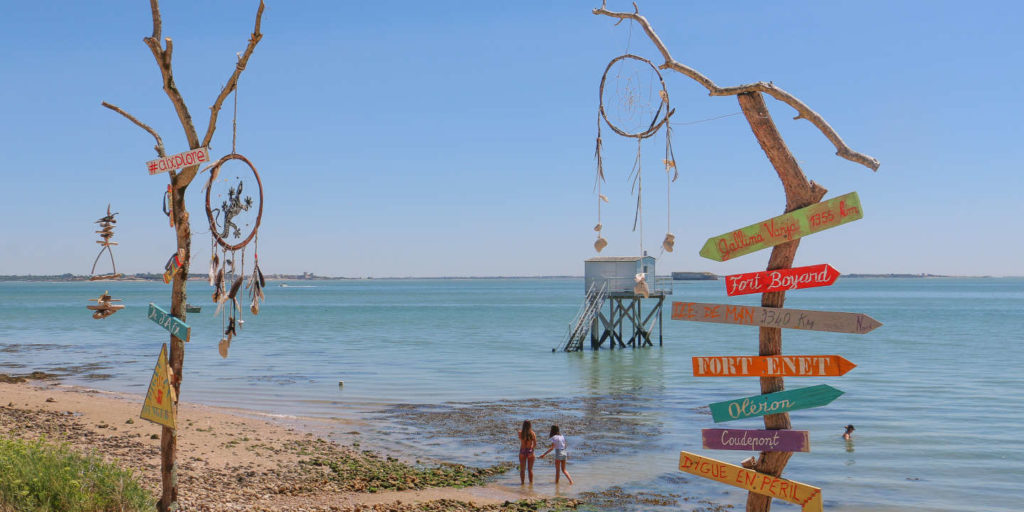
pixel 60 278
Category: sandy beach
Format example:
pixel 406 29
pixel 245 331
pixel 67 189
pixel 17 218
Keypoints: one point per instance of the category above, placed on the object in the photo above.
pixel 228 460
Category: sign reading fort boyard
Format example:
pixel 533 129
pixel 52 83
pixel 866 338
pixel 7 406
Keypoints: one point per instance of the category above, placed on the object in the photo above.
pixel 832 321
pixel 771 366
pixel 786 227
pixel 757 440
pixel 781 280
pixel 173 162
pixel 175 326
pixel 804 495
pixel 774 403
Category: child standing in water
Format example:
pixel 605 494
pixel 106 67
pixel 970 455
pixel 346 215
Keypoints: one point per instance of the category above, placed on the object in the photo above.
pixel 527 442
pixel 561 453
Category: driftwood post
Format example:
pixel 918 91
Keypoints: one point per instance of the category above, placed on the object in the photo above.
pixel 162 52
pixel 800 192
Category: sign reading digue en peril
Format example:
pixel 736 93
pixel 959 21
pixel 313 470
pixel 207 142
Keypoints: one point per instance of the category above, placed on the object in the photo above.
pixel 784 228
pixel 771 366
pixel 806 496
pixel 832 321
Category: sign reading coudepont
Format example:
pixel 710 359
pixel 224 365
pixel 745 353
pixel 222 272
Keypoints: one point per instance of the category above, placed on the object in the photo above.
pixel 173 162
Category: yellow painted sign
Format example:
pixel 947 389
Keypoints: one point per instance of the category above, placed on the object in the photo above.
pixel 160 399
pixel 804 495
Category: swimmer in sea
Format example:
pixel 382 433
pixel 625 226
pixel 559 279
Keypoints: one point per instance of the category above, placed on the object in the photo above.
pixel 849 432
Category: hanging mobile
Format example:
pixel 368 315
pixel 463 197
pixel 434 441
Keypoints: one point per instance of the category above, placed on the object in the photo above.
pixel 106 233
pixel 638 113
pixel 105 306
pixel 229 233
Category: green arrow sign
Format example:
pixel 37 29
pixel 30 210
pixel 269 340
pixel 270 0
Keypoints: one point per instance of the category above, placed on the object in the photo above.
pixel 774 403
pixel 175 326
pixel 784 228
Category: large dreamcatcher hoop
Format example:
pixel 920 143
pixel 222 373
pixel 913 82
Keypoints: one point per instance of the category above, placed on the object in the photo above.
pixel 648 115
pixel 232 206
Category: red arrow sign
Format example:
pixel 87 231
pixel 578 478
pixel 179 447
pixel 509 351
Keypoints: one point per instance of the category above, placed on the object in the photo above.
pixel 781 280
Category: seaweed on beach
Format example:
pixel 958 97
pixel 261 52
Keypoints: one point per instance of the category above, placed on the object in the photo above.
pixel 447 505
pixel 368 472
pixel 597 425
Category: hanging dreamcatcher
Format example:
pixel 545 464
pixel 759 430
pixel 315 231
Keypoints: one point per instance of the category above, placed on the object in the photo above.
pixel 634 103
pixel 106 232
pixel 234 207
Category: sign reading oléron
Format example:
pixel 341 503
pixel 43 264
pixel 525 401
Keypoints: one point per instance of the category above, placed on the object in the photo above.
pixel 160 399
pixel 173 162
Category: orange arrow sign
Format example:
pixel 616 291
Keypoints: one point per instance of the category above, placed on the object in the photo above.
pixel 771 366
pixel 804 495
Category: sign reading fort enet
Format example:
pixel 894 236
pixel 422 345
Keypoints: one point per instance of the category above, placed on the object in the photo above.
pixel 174 162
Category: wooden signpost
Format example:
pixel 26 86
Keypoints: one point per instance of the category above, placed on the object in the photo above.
pixel 784 228
pixel 832 321
pixel 175 326
pixel 774 403
pixel 174 162
pixel 757 440
pixel 781 279
pixel 160 399
pixel 771 366
pixel 806 496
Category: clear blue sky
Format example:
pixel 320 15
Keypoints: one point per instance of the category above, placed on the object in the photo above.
pixel 456 138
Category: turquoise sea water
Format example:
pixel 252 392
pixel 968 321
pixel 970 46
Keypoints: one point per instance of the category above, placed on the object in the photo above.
pixel 937 397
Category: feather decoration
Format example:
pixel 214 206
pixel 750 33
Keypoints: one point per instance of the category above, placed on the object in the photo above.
pixel 214 263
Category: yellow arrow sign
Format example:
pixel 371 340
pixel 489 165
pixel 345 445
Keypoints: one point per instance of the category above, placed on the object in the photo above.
pixel 160 399
pixel 804 495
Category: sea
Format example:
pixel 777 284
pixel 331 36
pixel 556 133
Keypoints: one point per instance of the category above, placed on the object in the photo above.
pixel 447 369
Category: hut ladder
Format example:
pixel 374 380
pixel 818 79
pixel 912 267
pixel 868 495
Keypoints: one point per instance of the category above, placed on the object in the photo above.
pixel 579 328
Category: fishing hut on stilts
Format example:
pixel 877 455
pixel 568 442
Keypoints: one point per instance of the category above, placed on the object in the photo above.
pixel 634 296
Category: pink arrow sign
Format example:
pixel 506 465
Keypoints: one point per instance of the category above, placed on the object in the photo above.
pixel 781 280
pixel 758 440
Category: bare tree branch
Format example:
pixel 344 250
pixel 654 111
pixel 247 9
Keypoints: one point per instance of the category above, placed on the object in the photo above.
pixel 233 81
pixel 159 142
pixel 768 88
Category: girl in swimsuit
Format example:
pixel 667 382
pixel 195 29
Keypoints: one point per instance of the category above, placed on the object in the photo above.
pixel 527 442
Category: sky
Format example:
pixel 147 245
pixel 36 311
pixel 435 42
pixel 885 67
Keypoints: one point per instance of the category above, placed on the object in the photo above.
pixel 455 138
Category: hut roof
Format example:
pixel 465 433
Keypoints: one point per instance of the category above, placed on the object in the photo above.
pixel 614 258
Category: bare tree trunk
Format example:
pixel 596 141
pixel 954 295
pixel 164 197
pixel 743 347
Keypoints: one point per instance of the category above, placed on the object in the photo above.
pixel 799 193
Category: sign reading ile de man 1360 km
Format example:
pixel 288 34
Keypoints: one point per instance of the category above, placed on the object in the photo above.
pixel 781 279
pixel 784 228
pixel 806 496
pixel 771 366
pixel 170 163
pixel 774 403
pixel 831 321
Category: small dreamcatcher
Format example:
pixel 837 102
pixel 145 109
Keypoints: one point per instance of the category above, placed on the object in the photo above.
pixel 635 104
pixel 234 223
pixel 106 232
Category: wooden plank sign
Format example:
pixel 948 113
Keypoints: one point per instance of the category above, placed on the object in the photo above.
pixel 832 321
pixel 771 366
pixel 175 326
pixel 784 228
pixel 173 162
pixel 781 279
pixel 757 440
pixel 160 399
pixel 806 496
pixel 774 403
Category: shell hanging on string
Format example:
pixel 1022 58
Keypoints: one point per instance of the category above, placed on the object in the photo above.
pixel 598 227
pixel 601 243
pixel 669 243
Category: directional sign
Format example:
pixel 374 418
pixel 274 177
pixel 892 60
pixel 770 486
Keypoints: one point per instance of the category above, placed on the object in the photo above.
pixel 170 163
pixel 774 403
pixel 175 326
pixel 832 321
pixel 781 280
pixel 758 440
pixel 806 496
pixel 771 366
pixel 784 228
pixel 160 399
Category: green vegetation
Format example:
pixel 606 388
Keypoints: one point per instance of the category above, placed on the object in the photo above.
pixel 41 477
pixel 370 473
